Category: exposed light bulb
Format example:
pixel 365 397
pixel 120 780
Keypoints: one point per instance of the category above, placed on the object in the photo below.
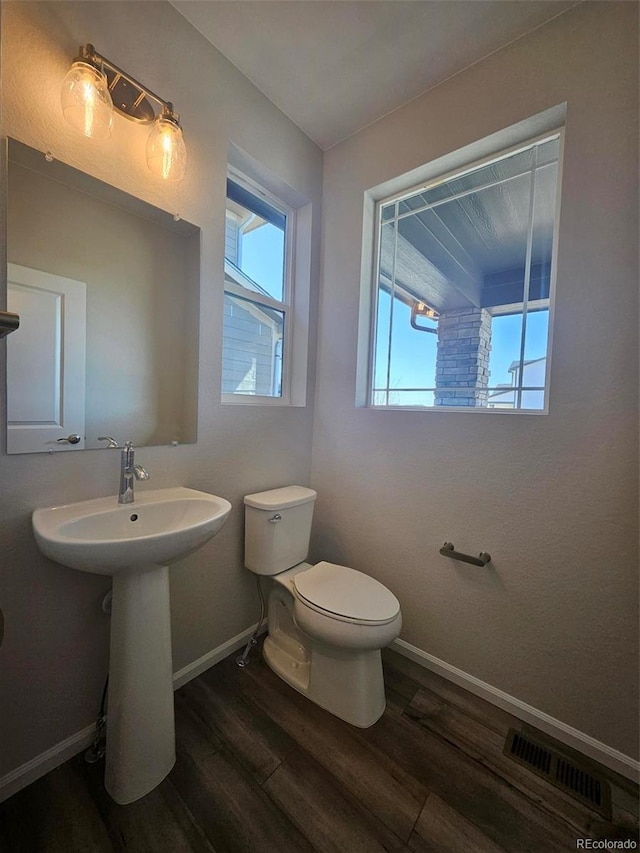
pixel 86 102
pixel 166 151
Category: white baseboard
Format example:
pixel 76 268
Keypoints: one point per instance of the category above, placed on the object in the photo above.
pixel 193 670
pixel 628 767
pixel 46 761
pixel 584 743
pixel 32 770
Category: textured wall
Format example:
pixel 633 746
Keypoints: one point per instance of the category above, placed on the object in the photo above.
pixel 54 657
pixel 554 619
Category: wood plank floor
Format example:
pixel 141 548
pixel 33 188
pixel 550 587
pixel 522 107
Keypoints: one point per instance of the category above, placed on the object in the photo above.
pixel 260 769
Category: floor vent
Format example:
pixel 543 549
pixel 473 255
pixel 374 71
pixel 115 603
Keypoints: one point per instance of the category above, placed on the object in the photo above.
pixel 567 774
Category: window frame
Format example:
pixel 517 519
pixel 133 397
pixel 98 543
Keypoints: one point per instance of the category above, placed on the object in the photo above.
pixel 286 306
pixel 471 165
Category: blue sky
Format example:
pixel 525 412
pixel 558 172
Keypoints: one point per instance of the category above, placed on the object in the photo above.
pixel 413 356
pixel 263 258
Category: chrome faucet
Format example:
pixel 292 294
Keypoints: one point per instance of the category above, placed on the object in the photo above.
pixel 129 472
pixel 110 439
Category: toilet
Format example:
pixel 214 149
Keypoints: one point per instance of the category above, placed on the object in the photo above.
pixel 326 623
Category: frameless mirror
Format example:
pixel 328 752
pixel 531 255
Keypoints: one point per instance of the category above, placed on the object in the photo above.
pixel 107 289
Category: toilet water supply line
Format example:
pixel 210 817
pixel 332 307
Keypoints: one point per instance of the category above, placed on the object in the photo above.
pixel 243 659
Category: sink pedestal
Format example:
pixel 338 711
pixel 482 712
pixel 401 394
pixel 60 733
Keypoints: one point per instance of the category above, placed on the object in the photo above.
pixel 140 720
pixel 134 543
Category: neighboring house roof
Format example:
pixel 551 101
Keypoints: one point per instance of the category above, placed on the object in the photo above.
pixel 516 364
pixel 236 275
pixel 503 391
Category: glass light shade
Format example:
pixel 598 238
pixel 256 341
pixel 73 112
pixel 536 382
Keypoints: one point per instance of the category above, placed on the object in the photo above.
pixel 86 102
pixel 166 151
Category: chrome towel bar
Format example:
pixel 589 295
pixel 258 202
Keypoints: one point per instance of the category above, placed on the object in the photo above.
pixel 448 550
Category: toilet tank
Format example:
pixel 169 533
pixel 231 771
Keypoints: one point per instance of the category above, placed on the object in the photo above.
pixel 277 527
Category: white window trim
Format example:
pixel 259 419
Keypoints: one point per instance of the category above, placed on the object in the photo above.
pixel 296 302
pixel 371 268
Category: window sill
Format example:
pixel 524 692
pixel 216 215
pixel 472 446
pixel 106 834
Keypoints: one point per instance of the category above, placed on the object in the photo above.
pixel 458 410
pixel 256 400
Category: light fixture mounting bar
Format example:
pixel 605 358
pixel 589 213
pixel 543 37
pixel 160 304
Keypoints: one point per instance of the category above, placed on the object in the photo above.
pixel 131 104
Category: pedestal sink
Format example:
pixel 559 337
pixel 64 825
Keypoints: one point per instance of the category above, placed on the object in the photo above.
pixel 135 543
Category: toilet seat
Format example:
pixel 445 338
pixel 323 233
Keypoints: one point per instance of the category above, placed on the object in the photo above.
pixel 345 594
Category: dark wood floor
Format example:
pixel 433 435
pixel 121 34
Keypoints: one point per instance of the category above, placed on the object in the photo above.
pixel 262 770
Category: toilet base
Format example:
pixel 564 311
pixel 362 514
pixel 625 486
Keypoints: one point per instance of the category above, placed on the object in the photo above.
pixel 346 682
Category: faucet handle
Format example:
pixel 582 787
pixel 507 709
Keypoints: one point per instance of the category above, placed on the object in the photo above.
pixel 110 439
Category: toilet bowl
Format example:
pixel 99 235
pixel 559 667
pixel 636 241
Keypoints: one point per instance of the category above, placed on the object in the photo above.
pixel 326 623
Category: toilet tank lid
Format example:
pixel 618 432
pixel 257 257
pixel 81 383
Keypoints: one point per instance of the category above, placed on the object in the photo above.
pixel 281 498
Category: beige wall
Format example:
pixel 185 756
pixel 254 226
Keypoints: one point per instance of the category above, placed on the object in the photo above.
pixel 54 657
pixel 553 620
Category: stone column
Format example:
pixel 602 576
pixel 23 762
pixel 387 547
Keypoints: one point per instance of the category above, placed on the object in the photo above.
pixel 462 362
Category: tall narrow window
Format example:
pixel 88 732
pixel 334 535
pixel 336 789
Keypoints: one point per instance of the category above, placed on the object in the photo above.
pixel 463 286
pixel 257 293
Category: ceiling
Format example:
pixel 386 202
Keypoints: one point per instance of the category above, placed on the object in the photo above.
pixel 334 66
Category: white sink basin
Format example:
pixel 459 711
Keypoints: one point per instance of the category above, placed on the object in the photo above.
pixel 135 543
pixel 103 537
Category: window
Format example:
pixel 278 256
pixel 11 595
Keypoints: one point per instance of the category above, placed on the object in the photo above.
pixel 463 284
pixel 258 293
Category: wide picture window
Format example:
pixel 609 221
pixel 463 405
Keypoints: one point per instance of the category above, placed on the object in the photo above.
pixel 463 286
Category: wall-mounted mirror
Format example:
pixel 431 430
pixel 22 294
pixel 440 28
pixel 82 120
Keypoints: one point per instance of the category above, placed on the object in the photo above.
pixel 107 289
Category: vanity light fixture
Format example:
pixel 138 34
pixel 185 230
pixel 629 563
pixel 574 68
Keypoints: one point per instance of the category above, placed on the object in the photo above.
pixel 94 87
